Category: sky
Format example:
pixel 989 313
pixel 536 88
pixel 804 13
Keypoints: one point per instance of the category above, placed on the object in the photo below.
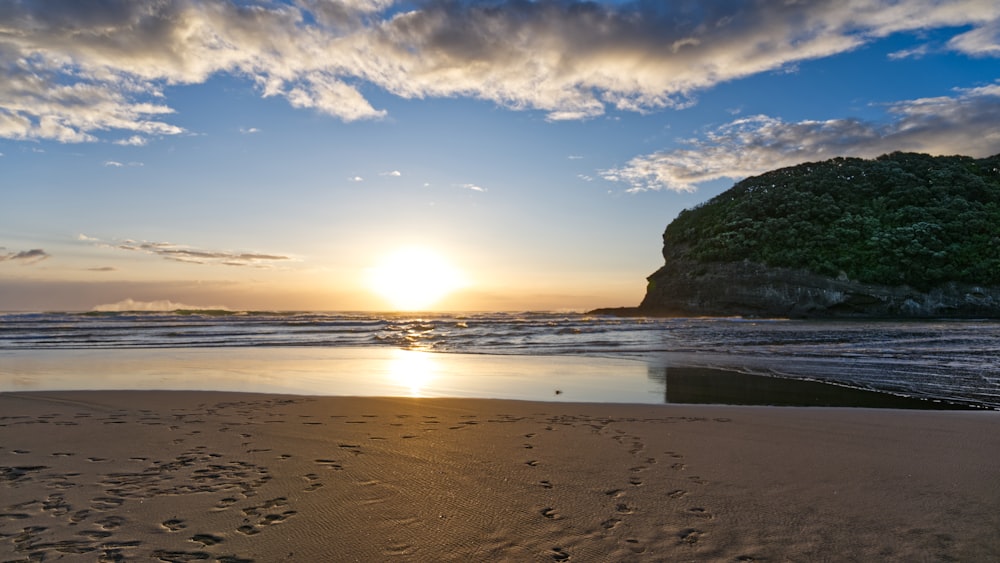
pixel 284 155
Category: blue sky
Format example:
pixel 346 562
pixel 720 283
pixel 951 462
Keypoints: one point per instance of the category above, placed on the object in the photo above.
pixel 270 155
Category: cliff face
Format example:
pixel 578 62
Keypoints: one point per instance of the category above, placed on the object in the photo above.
pixel 903 235
pixel 686 288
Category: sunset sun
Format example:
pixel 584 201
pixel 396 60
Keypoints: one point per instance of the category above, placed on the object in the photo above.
pixel 412 279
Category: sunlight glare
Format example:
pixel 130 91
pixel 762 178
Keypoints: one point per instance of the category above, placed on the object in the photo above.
pixel 413 279
pixel 412 370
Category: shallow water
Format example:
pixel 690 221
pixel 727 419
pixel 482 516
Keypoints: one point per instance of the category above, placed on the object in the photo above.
pixel 502 355
pixel 395 372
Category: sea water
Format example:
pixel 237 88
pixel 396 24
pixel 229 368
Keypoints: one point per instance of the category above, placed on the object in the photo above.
pixel 536 355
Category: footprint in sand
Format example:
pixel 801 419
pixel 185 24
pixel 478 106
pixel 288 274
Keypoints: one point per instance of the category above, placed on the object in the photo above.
pixel 173 556
pixel 559 555
pixel 691 536
pixel 14 516
pixel 173 525
pixel 94 535
pixel 247 530
pixel 331 463
pixel 699 512
pixel 224 503
pixel 545 484
pixel 206 539
pixel 634 546
pixel 550 513
pixel 106 503
pixel 111 522
pixel 611 523
pixel 277 518
pixel 532 463
pixel 676 493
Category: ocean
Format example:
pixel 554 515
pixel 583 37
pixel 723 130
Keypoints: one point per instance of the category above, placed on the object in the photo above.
pixel 947 362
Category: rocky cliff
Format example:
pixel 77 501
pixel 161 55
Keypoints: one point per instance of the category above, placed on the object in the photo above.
pixel 902 236
pixel 685 288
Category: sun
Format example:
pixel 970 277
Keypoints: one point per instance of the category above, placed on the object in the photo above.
pixel 414 279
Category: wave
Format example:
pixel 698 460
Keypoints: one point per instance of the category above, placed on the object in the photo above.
pixel 953 360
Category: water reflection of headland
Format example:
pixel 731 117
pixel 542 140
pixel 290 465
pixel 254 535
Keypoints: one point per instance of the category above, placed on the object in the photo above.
pixel 701 385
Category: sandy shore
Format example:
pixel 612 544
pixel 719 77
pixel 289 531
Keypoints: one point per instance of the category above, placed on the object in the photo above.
pixel 205 476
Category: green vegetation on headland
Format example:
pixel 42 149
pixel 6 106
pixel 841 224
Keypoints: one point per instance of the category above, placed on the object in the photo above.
pixel 900 219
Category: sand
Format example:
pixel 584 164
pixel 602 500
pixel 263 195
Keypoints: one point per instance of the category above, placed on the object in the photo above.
pixel 207 476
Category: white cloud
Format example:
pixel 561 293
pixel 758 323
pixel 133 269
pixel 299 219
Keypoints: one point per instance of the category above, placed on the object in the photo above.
pixel 356 179
pixel 472 187
pixel 73 72
pixel 394 173
pixel 914 53
pixel 982 41
pixel 133 141
pixel 249 130
pixel 116 164
pixel 966 123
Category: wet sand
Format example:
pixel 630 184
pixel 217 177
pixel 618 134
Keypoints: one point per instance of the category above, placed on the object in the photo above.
pixel 230 477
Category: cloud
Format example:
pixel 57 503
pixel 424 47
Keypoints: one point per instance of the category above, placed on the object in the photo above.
pixel 116 164
pixel 966 123
pixel 249 130
pixel 190 255
pixel 394 174
pixel 103 269
pixel 473 187
pixel 356 179
pixel 70 72
pixel 133 141
pixel 983 41
pixel 162 305
pixel 25 257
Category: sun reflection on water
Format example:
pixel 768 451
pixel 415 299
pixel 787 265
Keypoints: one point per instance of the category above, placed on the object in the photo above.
pixel 412 370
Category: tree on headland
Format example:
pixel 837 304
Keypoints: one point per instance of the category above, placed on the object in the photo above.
pixel 902 218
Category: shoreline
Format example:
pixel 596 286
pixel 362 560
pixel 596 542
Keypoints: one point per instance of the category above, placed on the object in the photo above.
pixel 383 371
pixel 228 476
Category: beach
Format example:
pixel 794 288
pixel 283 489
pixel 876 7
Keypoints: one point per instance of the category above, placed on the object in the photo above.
pixel 229 477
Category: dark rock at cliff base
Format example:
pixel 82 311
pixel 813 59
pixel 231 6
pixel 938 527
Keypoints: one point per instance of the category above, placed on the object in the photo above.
pixel 747 289
pixel 901 236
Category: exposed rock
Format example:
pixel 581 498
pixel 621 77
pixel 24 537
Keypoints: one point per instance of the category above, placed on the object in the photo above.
pixel 685 288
